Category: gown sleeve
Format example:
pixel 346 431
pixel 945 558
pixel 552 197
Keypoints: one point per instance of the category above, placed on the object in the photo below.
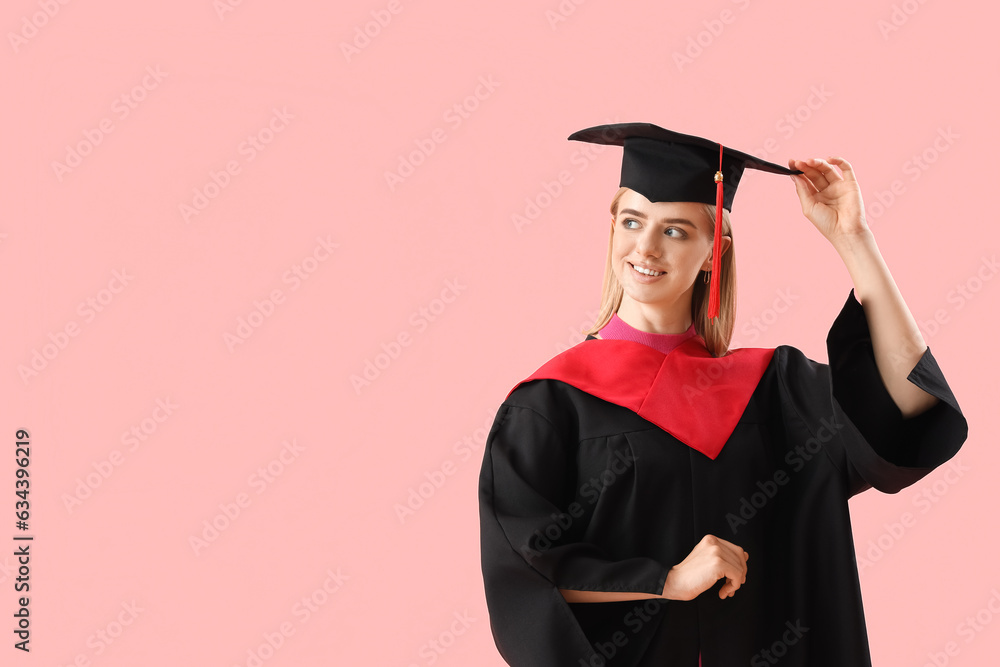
pixel 533 543
pixel 874 446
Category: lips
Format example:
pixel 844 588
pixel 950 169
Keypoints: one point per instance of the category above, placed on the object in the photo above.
pixel 636 268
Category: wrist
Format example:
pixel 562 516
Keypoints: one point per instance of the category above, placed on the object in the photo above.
pixel 855 243
pixel 668 591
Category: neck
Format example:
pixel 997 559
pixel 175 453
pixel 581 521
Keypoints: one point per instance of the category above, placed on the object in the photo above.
pixel 618 329
pixel 655 320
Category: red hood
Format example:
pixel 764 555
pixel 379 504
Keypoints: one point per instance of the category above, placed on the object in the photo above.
pixel 695 397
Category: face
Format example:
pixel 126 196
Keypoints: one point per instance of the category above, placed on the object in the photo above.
pixel 671 238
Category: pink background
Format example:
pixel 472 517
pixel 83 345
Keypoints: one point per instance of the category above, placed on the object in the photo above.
pixel 431 279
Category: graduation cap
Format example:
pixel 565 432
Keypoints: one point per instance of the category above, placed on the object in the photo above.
pixel 663 165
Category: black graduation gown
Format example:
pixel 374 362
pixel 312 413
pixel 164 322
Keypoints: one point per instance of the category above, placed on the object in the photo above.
pixel 581 492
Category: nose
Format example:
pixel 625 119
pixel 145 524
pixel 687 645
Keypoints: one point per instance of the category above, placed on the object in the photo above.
pixel 648 242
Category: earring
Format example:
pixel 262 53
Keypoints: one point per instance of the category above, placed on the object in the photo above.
pixel 706 275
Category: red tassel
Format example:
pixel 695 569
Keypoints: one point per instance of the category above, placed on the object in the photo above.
pixel 713 297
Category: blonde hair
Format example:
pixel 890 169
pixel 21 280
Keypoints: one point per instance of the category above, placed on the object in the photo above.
pixel 717 335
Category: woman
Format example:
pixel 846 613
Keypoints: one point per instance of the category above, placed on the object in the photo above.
pixel 650 497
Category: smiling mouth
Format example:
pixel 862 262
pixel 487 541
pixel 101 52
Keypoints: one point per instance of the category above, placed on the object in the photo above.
pixel 646 272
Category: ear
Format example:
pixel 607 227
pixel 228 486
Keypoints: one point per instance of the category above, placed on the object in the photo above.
pixel 726 242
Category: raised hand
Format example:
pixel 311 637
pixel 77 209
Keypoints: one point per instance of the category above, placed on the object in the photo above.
pixel 831 199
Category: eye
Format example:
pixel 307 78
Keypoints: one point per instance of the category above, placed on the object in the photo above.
pixel 679 233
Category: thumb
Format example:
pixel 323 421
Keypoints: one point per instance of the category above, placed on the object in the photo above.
pixel 802 190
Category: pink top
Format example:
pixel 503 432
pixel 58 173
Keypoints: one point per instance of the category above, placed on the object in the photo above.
pixel 619 329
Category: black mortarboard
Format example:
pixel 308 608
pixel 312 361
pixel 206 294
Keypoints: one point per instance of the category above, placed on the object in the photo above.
pixel 662 165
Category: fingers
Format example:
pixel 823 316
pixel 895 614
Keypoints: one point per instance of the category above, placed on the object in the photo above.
pixel 803 188
pixel 733 564
pixel 812 174
pixel 713 558
pixel 818 171
pixel 845 167
pixel 735 577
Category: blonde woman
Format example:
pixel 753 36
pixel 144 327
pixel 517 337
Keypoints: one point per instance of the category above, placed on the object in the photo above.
pixel 652 497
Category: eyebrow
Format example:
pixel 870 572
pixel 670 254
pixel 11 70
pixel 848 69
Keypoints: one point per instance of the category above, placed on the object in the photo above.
pixel 675 221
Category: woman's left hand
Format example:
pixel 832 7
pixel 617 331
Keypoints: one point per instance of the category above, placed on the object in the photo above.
pixel 830 199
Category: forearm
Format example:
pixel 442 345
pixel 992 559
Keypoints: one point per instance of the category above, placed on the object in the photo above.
pixel 604 596
pixel 896 339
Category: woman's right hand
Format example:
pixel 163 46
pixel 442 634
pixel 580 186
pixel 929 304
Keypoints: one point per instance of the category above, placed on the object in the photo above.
pixel 711 559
